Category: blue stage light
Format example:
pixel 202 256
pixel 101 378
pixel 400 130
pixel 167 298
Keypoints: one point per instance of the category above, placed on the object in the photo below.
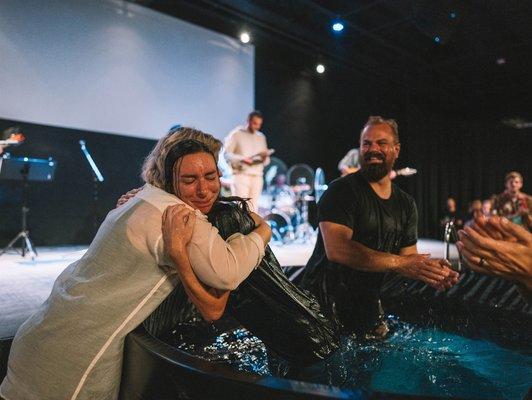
pixel 452 15
pixel 437 39
pixel 338 26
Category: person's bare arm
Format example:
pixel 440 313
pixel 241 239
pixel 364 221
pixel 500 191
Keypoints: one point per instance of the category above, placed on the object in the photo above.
pixel 262 228
pixel 177 228
pixel 210 302
pixel 340 248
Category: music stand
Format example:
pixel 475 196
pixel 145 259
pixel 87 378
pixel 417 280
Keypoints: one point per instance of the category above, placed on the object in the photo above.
pixel 25 169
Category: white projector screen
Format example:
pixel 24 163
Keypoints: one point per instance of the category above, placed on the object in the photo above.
pixel 116 67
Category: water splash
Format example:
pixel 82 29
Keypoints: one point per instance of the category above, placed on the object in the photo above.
pixel 411 360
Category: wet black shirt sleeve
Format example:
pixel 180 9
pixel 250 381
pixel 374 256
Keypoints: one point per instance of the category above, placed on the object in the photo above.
pixel 339 205
pixel 410 228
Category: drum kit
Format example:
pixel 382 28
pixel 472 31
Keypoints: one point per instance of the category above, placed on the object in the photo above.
pixel 285 201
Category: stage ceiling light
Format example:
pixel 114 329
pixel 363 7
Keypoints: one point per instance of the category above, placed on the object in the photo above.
pixel 245 37
pixel 338 26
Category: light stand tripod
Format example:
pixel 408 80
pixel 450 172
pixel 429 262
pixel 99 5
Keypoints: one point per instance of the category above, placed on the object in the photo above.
pixel 25 169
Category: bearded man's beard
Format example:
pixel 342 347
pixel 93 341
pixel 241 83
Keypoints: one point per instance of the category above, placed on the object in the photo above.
pixel 375 172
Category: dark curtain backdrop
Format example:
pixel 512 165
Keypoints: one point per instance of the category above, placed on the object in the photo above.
pixel 316 119
pixel 463 159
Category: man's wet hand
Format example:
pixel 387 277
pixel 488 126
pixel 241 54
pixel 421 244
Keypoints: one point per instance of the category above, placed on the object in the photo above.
pixel 435 273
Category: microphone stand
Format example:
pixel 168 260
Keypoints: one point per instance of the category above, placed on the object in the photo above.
pixel 97 178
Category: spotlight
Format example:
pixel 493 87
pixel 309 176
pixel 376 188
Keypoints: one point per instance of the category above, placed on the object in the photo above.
pixel 452 14
pixel 338 26
pixel 320 68
pixel 437 39
pixel 245 37
pixel 501 61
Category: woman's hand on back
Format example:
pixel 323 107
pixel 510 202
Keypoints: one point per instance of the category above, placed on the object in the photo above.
pixel 126 197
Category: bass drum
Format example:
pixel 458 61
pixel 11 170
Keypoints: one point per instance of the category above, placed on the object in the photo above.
pixel 281 225
pixel 292 212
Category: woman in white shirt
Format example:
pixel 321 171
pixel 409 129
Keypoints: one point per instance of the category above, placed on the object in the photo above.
pixel 72 347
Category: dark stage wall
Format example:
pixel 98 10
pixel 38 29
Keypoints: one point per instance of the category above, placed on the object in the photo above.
pixel 308 118
pixel 316 119
pixel 62 212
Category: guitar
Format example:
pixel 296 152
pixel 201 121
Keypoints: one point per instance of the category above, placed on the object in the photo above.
pixel 406 171
pixel 253 160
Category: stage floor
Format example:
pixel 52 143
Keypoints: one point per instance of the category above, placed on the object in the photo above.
pixel 25 284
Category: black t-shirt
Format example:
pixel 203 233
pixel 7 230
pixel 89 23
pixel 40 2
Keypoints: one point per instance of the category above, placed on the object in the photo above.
pixel 385 225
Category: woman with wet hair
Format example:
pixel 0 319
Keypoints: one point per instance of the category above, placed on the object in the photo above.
pixel 72 347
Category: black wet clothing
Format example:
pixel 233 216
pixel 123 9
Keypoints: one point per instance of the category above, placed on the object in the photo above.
pixel 385 225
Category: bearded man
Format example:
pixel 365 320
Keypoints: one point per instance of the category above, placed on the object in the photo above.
pixel 368 227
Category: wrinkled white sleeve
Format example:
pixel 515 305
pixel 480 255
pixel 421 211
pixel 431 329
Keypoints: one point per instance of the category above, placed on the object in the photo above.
pixel 221 264
pixel 230 147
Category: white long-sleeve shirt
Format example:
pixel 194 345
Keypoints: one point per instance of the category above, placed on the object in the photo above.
pixel 241 144
pixel 71 348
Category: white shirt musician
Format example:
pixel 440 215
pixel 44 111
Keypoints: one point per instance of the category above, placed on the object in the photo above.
pixel 247 152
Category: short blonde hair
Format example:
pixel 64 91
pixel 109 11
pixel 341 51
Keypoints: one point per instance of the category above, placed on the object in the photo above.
pixel 378 120
pixel 153 169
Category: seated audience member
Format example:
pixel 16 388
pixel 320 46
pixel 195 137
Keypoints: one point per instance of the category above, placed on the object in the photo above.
pixel 451 214
pixel 512 203
pixel 474 211
pixel 487 205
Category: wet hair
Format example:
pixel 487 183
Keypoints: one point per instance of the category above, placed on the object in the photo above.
pixel 254 114
pixel 153 169
pixel 175 154
pixel 378 120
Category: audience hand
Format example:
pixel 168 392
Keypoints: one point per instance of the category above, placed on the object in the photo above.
pixel 498 247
